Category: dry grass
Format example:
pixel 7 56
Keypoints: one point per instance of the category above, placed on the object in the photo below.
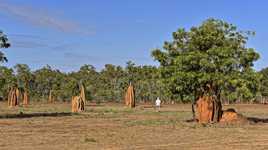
pixel 113 126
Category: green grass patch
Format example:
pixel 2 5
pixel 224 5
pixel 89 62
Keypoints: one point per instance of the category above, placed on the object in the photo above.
pixel 90 140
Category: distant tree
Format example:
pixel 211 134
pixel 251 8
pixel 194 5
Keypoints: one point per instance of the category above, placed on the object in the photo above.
pixel 23 73
pixel 88 75
pixel 112 79
pixel 146 81
pixel 46 81
pixel 3 44
pixel 7 80
pixel 264 82
pixel 206 60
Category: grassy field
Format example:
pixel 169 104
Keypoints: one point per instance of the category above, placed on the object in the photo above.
pixel 112 126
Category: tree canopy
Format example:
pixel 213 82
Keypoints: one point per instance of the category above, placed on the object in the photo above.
pixel 208 59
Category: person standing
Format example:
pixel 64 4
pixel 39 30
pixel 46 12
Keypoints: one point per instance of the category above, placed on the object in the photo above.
pixel 157 104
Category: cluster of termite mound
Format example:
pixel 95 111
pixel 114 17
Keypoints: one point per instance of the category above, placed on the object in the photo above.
pixel 15 95
pixel 78 101
pixel 207 109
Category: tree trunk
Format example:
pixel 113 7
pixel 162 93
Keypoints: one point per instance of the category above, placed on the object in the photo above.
pixel 193 111
pixel 82 94
pixel 193 105
pixel 217 110
pixel 50 97
pixel 9 99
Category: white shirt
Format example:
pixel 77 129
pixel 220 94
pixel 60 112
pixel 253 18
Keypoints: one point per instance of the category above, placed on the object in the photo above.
pixel 158 102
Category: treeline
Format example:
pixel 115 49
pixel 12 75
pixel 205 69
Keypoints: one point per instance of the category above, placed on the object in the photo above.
pixel 107 85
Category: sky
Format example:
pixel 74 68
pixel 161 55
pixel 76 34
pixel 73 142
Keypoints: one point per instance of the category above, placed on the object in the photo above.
pixel 67 34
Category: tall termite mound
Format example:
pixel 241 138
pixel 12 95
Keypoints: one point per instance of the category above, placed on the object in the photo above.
pixel 78 102
pixel 205 109
pixel 25 98
pixel 130 96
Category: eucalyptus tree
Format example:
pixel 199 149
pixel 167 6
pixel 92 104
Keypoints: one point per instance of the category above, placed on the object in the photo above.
pixel 24 78
pixel 46 82
pixel 112 81
pixel 6 75
pixel 7 80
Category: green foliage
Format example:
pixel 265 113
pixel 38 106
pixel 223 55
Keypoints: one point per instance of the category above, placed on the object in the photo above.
pixel 47 79
pixel 23 75
pixel 3 44
pixel 92 140
pixel 264 82
pixel 7 80
pixel 209 59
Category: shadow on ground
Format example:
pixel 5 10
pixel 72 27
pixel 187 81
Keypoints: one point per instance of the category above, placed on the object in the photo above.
pixel 95 105
pixel 31 115
pixel 257 120
pixel 249 119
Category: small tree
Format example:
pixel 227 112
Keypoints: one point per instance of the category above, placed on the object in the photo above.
pixel 3 44
pixel 7 81
pixel 206 60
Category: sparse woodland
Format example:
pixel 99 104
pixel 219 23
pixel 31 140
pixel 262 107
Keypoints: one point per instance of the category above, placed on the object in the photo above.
pixel 208 59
